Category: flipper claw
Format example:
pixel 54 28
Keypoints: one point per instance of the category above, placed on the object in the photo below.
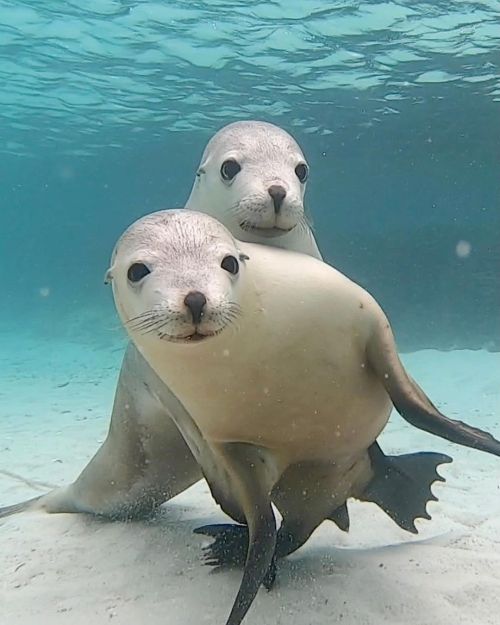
pixel 229 549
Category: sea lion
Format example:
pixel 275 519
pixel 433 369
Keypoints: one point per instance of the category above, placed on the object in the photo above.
pixel 286 370
pixel 252 177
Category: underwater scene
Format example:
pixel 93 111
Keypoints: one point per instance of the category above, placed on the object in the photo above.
pixel 250 312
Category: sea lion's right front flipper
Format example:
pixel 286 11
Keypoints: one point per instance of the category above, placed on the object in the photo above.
pixel 401 485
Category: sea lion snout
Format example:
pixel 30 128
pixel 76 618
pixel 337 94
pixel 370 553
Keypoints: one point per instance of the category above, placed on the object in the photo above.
pixel 196 302
pixel 278 194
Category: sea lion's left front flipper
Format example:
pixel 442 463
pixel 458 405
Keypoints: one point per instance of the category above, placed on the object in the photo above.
pixel 410 400
pixel 250 484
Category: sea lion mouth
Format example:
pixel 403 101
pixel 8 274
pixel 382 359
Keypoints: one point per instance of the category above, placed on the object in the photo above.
pixel 194 337
pixel 159 323
pixel 275 231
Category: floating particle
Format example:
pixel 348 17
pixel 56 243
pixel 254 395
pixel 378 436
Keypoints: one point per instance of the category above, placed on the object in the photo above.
pixel 463 249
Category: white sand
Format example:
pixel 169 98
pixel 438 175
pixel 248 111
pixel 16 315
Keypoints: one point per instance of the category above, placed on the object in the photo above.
pixel 55 401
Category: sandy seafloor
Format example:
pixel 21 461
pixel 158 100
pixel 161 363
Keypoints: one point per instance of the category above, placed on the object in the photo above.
pixel 55 402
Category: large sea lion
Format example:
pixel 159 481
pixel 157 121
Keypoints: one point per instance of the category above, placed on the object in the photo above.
pixel 286 371
pixel 252 177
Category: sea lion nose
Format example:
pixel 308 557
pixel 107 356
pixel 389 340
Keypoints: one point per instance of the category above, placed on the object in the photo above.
pixel 278 194
pixel 196 303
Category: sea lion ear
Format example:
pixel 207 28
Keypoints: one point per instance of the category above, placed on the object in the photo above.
pixel 244 257
pixel 108 276
pixel 202 169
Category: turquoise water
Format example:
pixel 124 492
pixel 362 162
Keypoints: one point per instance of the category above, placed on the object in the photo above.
pixel 104 113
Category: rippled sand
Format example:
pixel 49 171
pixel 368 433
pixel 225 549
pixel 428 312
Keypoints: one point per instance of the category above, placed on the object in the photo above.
pixel 55 403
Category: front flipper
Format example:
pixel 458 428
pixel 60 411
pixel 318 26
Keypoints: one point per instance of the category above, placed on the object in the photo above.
pixel 402 484
pixel 250 480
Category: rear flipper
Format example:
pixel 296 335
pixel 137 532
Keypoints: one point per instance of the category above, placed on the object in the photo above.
pixel 402 484
pixel 230 545
pixel 229 549
pixel 340 516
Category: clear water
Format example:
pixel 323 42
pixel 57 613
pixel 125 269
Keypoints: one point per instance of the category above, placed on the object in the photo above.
pixel 104 112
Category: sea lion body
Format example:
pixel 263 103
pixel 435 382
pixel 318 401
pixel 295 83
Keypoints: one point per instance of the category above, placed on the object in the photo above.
pixel 286 372
pixel 247 388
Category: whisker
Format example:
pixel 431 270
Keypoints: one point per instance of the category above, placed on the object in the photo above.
pixel 250 204
pixel 163 321
pixel 155 328
pixel 149 321
pixel 144 323
pixel 233 327
pixel 140 317
pixel 151 324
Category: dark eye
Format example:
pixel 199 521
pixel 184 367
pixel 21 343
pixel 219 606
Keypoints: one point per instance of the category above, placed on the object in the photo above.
pixel 137 272
pixel 302 171
pixel 229 169
pixel 231 265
